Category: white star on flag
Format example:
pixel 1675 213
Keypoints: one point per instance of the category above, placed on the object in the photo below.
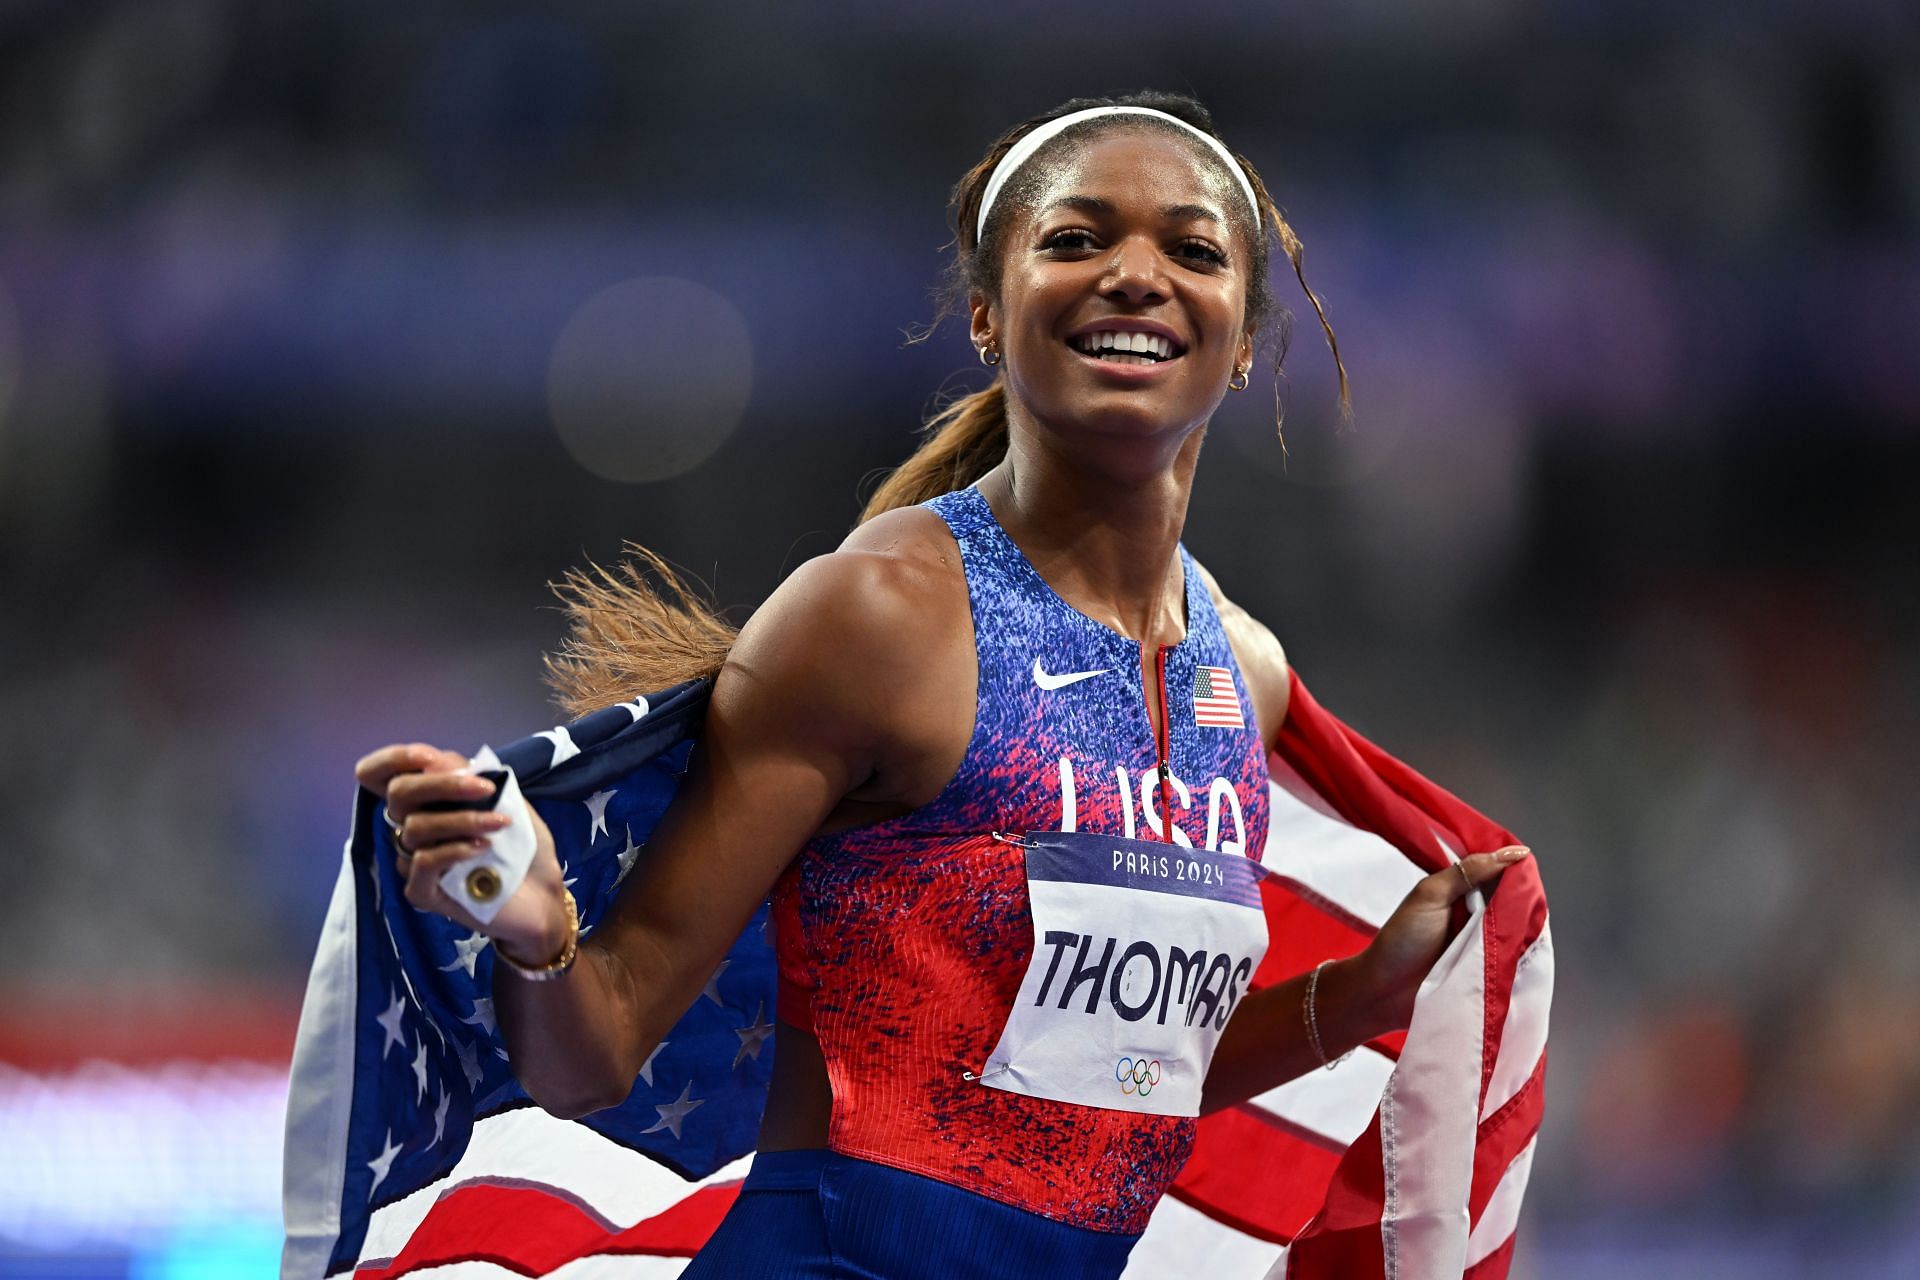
pixel 381 1163
pixel 712 990
pixel 646 1068
pixel 465 951
pixel 440 1115
pixel 420 1069
pixel 673 1114
pixel 753 1036
pixel 627 857
pixel 563 748
pixel 638 709
pixel 469 1063
pixel 482 1015
pixel 391 1021
pixel 597 806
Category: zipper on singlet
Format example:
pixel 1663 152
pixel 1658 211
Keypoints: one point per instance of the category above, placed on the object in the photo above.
pixel 1160 745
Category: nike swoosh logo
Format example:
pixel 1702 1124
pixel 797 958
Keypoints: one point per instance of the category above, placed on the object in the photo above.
pixel 1045 681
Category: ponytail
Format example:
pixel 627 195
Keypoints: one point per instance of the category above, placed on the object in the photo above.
pixel 963 442
pixel 641 626
pixel 628 636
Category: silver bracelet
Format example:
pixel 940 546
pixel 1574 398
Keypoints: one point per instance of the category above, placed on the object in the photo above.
pixel 1313 1021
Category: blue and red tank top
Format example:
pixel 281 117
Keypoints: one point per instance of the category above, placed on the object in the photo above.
pixel 902 944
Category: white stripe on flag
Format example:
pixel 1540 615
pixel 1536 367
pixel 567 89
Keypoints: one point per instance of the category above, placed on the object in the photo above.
pixel 605 1266
pixel 320 1092
pixel 1337 1103
pixel 1525 1036
pixel 598 1266
pixel 1354 870
pixel 1182 1241
pixel 1502 1214
pixel 528 1145
pixel 1427 1116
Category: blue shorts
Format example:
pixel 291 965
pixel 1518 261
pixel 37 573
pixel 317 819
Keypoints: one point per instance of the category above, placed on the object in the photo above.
pixel 811 1215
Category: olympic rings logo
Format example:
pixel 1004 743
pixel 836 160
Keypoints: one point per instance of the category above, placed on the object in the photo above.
pixel 1137 1076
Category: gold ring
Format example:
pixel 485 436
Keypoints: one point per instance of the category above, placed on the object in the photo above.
pixel 393 833
pixel 1464 876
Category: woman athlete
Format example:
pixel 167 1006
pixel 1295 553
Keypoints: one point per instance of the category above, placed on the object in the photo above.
pixel 999 761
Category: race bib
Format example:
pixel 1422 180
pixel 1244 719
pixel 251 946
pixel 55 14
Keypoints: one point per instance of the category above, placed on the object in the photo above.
pixel 1141 951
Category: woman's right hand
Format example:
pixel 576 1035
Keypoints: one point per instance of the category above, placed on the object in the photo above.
pixel 532 925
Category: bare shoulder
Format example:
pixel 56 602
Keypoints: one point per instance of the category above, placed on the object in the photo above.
pixel 1262 659
pixel 858 646
pixel 891 572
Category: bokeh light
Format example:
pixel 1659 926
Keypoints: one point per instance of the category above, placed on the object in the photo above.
pixel 10 361
pixel 649 378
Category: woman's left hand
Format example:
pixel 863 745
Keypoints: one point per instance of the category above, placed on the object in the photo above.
pixel 1397 960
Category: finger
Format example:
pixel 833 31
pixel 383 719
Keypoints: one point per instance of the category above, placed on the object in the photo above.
pixel 378 768
pixel 411 792
pixel 424 830
pixel 1484 868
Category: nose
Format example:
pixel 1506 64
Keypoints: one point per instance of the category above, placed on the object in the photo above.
pixel 1135 273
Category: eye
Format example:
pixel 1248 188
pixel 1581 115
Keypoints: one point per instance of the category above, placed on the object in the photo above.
pixel 1069 240
pixel 1201 251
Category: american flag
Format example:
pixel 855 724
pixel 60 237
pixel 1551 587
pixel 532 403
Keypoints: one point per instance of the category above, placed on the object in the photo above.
pixel 1216 703
pixel 409 1146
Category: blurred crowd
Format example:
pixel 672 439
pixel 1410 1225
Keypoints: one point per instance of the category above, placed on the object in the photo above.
pixel 329 333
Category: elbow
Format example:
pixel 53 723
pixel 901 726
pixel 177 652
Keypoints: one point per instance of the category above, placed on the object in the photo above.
pixel 574 1099
pixel 570 1108
pixel 569 1089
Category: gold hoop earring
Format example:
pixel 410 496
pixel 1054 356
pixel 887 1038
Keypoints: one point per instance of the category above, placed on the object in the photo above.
pixel 1239 380
pixel 989 355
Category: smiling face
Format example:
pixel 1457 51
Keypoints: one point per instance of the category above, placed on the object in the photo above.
pixel 1121 311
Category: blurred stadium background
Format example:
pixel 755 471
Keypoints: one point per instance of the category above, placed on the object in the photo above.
pixel 330 331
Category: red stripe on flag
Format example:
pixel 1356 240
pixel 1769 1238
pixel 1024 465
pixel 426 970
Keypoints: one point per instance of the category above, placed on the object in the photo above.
pixel 1301 934
pixel 1254 1175
pixel 680 1231
pixel 1345 1239
pixel 1517 910
pixel 1391 1044
pixel 1504 1135
pixel 530 1230
pixel 1494 1265
pixel 1374 791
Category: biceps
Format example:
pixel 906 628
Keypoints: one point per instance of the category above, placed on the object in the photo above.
pixel 744 810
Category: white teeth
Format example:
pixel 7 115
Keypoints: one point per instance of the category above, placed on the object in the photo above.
pixel 1132 343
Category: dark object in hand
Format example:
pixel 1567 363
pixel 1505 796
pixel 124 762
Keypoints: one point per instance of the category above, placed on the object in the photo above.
pixel 498 777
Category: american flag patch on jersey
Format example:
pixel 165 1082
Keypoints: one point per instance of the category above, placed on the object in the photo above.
pixel 1216 702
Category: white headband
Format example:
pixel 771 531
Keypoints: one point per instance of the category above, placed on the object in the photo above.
pixel 1022 151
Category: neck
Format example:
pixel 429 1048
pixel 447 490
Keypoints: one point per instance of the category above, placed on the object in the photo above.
pixel 1108 544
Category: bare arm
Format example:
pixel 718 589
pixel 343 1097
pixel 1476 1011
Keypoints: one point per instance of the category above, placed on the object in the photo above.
pixel 1356 999
pixel 803 713
pixel 807 708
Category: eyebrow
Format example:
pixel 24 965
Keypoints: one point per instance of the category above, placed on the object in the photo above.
pixel 1171 212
